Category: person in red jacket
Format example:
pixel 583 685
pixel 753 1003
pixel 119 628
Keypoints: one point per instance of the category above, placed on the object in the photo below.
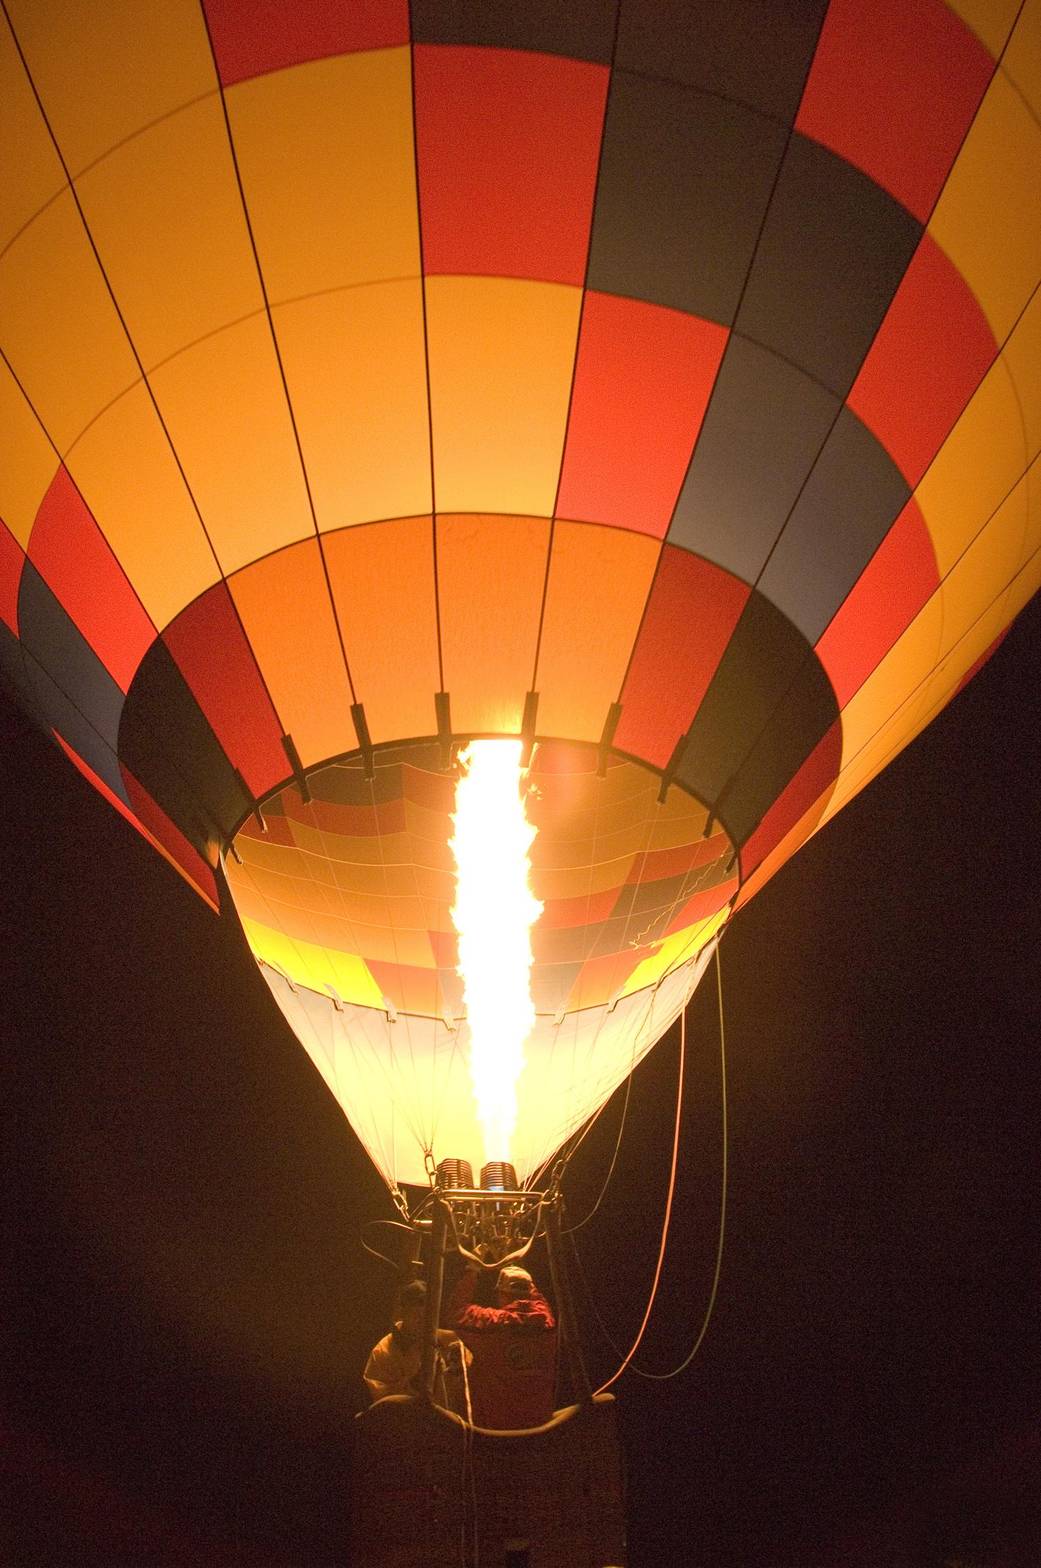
pixel 514 1345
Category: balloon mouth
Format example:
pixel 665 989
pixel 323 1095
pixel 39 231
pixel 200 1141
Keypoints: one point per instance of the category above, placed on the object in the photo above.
pixel 345 899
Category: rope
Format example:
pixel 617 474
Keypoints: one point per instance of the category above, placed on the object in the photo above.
pixel 668 1209
pixel 569 1230
pixel 663 1377
pixel 627 1362
pixel 373 1251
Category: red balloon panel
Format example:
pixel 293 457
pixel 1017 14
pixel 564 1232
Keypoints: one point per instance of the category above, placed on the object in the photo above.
pixel 881 604
pixel 216 660
pixel 689 619
pixel 250 37
pixel 929 355
pixel 642 382
pixel 75 560
pixel 507 145
pixel 893 90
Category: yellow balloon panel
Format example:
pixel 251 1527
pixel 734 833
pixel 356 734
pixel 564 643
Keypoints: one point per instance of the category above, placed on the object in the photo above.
pixel 1022 60
pixel 1022 355
pixel 677 949
pixel 126 473
pixel 1028 579
pixel 990 20
pixel 36 174
pixel 984 571
pixel 104 69
pixel 975 469
pixel 793 840
pixel 1032 536
pixel 328 167
pixel 382 579
pixel 878 752
pixel 946 680
pixel 62 335
pixel 988 217
pixel 165 213
pixel 900 674
pixel 319 966
pixel 223 402
pixel 501 355
pixel 286 612
pixel 978 640
pixel 356 370
pixel 490 573
pixel 599 579
pixel 27 460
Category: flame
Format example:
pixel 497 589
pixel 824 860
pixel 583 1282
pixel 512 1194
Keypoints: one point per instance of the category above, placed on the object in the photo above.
pixel 494 912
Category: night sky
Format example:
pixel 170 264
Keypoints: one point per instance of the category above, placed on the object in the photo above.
pixel 190 1306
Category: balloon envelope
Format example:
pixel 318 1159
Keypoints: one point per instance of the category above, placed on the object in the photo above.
pixel 658 381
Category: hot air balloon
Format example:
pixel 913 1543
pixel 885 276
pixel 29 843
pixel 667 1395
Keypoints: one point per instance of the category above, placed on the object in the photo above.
pixel 652 387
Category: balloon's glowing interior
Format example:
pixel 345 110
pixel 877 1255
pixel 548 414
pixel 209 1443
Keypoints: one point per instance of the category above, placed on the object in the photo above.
pixel 347 902
pixel 657 382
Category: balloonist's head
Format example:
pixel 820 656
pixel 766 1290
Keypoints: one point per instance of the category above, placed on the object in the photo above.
pixel 513 1284
pixel 413 1302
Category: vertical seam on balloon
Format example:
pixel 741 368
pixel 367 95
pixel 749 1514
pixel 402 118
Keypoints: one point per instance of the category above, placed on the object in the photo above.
pixel 811 647
pixel 143 374
pixel 719 368
pixel 599 786
pixel 999 348
pixel 1036 459
pixel 426 349
pixel 109 289
pixel 923 231
pixel 578 340
pixel 391 1073
pixel 29 661
pixel 170 760
pixel 278 925
pixel 62 468
pixel 435 569
pixel 356 946
pixel 999 355
pixel 278 356
pixel 811 652
pixel 92 163
pixel 403 1014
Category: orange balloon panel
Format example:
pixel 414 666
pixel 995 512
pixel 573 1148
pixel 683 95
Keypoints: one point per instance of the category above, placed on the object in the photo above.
pixel 382 580
pixel 598 583
pixel 490 576
pixel 175 282
pixel 287 614
pixel 224 406
pixel 36 175
pixel 62 336
pixel 356 378
pixel 103 76
pixel 500 353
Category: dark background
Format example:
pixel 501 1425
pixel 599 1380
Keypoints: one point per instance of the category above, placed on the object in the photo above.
pixel 188 1305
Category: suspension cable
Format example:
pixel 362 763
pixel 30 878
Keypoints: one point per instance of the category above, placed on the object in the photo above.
pixel 668 1209
pixel 627 1363
pixel 569 1230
